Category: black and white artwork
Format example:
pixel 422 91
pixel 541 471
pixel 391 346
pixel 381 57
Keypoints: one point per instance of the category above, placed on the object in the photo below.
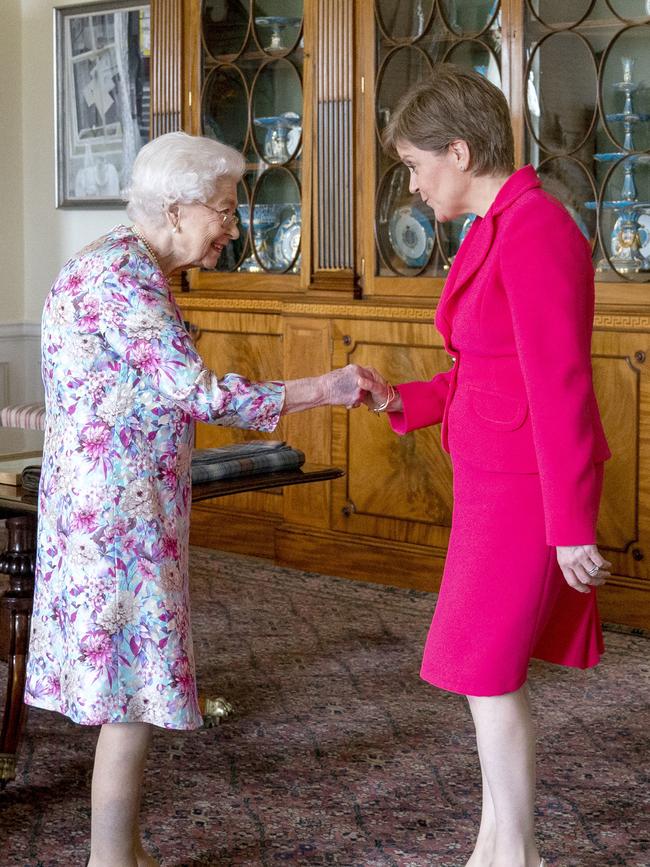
pixel 102 99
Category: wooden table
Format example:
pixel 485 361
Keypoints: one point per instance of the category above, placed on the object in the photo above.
pixel 18 562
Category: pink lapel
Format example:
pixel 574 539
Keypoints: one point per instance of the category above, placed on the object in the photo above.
pixel 476 245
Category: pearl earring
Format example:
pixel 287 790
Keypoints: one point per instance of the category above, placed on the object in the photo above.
pixel 174 229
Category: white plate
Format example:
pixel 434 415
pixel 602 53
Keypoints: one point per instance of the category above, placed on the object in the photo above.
pixel 411 236
pixel 287 241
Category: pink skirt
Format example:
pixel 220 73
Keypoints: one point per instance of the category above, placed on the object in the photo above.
pixel 503 598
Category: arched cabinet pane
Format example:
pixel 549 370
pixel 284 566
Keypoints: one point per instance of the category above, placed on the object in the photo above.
pixel 225 26
pixel 409 44
pixel 591 140
pixel 252 99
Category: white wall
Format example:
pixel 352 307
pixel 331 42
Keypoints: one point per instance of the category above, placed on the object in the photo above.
pixel 19 377
pixel 36 238
pixel 51 235
pixel 11 237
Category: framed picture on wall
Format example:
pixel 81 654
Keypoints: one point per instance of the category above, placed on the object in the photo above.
pixel 102 56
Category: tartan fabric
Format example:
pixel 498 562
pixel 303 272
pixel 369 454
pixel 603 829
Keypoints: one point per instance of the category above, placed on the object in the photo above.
pixel 30 416
pixel 243 459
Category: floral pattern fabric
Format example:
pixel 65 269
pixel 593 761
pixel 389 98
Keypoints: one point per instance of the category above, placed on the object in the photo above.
pixel 111 638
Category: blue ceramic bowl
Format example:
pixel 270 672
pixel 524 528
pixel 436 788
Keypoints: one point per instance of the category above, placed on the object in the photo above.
pixel 264 216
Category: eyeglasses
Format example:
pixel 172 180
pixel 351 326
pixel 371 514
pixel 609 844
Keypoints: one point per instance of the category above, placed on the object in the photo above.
pixel 228 219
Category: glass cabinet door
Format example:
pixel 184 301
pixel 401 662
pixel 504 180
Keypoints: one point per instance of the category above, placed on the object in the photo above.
pixel 587 113
pixel 252 99
pixel 410 39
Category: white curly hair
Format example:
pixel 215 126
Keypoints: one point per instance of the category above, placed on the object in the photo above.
pixel 177 168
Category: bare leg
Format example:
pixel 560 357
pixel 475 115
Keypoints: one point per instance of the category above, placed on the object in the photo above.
pixel 116 792
pixel 484 847
pixel 506 742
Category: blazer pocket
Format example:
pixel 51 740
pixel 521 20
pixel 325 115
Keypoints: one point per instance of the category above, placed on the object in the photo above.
pixel 498 411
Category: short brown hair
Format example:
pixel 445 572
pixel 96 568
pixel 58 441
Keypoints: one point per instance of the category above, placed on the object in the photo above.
pixel 451 104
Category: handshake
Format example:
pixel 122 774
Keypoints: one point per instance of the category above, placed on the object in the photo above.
pixel 354 385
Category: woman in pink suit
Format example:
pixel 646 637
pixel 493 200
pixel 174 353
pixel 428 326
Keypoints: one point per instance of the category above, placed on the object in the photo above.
pixel 521 423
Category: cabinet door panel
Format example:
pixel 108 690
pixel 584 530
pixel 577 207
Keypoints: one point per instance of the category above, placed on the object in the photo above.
pixel 623 391
pixel 396 487
pixel 307 353
pixel 410 476
pixel 249 345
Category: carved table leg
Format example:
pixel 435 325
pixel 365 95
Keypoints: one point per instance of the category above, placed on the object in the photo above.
pixel 18 563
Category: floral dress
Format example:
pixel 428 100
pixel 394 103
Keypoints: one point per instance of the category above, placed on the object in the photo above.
pixel 111 638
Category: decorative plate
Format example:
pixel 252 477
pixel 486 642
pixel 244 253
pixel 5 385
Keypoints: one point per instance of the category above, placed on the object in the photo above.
pixel 293 139
pixel 411 236
pixel 287 240
pixel 467 225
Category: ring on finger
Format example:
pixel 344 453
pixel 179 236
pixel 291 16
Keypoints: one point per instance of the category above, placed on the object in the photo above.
pixel 594 570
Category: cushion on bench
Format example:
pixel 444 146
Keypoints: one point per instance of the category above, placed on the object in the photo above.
pixel 29 416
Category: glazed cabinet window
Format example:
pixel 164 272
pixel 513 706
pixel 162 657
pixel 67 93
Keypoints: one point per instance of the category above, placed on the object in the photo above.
pixel 577 79
pixel 410 39
pixel 591 140
pixel 252 56
pixel 305 90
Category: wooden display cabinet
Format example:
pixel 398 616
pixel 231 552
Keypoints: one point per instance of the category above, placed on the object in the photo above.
pixel 371 262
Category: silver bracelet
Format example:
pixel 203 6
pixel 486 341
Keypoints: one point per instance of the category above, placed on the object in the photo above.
pixel 390 397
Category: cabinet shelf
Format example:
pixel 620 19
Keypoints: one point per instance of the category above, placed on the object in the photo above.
pixel 252 57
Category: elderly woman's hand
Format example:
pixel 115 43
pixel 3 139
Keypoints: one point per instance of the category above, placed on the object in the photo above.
pixel 583 565
pixel 340 387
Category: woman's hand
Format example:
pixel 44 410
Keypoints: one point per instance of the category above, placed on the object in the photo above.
pixel 340 387
pixel 582 566
pixel 377 391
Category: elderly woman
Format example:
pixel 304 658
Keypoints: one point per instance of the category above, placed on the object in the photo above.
pixel 520 420
pixel 111 642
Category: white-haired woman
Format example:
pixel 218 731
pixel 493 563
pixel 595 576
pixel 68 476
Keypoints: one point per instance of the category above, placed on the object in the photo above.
pixel 111 642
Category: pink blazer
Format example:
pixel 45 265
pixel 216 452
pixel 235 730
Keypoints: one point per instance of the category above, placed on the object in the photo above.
pixel 516 316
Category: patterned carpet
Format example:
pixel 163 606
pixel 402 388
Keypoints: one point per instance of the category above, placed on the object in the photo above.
pixel 338 753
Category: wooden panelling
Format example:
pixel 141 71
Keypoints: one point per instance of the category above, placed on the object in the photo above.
pixel 251 345
pixel 166 64
pixel 333 156
pixel 395 488
pixel 361 557
pixel 512 70
pixel 388 519
pixel 232 529
pixel 618 385
pixel 623 390
pixel 307 353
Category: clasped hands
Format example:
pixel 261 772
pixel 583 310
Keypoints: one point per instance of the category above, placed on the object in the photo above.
pixel 354 385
